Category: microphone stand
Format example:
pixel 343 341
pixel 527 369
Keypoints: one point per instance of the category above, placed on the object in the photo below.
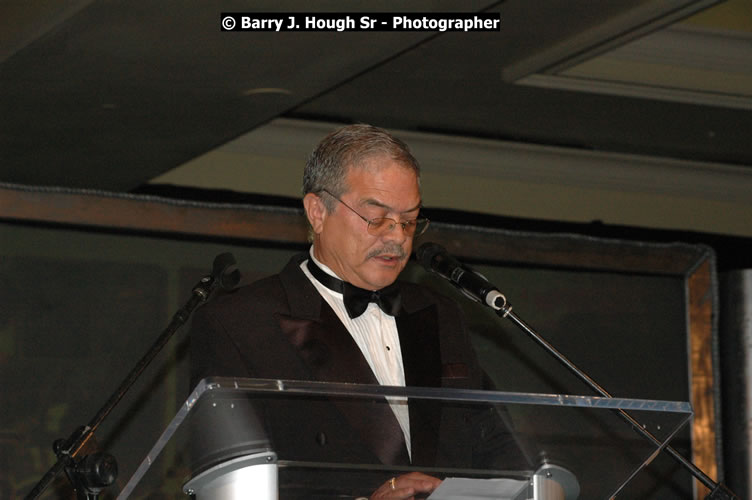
pixel 718 491
pixel 90 474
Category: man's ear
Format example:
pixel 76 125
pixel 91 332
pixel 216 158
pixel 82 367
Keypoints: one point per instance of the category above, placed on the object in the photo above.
pixel 315 211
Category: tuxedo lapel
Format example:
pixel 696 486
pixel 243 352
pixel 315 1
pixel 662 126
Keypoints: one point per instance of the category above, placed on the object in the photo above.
pixel 314 330
pixel 327 348
pixel 330 354
pixel 421 357
pixel 419 343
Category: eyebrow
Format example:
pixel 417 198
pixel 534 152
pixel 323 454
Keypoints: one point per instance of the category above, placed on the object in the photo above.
pixel 377 203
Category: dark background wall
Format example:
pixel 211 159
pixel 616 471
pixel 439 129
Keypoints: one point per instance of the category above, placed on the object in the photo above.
pixel 85 303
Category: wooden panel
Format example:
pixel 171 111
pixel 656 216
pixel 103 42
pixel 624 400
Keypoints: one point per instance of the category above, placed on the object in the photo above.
pixel 700 289
pixel 139 213
pixel 288 225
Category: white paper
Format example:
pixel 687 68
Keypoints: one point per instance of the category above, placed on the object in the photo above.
pixel 459 488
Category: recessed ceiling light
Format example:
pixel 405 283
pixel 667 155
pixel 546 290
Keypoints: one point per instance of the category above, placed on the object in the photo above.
pixel 266 90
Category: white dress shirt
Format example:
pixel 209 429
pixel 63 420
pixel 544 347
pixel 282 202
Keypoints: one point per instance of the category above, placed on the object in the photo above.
pixel 375 333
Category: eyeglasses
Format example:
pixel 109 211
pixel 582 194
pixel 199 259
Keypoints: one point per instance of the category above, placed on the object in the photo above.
pixel 382 225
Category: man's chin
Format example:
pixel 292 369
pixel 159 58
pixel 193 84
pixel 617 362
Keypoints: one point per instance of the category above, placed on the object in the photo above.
pixel 382 276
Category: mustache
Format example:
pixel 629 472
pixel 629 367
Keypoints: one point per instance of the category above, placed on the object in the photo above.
pixel 389 249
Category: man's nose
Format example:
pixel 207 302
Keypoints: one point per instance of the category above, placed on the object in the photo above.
pixel 398 233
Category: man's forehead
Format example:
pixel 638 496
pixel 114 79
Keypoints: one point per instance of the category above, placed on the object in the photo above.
pixel 371 190
pixel 378 203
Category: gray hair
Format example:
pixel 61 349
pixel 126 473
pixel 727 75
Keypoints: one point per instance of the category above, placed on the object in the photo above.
pixel 349 147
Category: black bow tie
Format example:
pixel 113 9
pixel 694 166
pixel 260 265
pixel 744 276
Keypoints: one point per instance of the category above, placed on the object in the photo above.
pixel 357 299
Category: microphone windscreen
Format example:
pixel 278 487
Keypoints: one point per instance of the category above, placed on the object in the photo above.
pixel 225 271
pixel 426 253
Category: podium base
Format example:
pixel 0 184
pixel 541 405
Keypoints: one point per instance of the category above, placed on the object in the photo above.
pixel 236 478
pixel 551 482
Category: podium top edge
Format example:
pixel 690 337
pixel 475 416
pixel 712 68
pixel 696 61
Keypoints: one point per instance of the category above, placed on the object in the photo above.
pixel 299 387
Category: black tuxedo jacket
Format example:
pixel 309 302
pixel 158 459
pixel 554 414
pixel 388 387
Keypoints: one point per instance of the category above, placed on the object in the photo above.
pixel 280 327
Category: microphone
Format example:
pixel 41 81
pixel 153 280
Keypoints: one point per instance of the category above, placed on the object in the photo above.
pixel 437 260
pixel 224 274
pixel 225 271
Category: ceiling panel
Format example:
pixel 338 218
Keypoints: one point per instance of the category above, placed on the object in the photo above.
pixel 108 94
pixel 119 92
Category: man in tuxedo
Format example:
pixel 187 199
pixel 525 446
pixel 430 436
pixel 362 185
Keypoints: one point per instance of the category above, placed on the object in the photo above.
pixel 338 314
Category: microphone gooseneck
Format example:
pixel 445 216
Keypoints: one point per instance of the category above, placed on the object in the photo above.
pixel 437 260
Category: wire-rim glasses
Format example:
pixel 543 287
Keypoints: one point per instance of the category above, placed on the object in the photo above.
pixel 382 225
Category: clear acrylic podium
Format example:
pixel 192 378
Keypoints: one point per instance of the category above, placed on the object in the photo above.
pixel 266 439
